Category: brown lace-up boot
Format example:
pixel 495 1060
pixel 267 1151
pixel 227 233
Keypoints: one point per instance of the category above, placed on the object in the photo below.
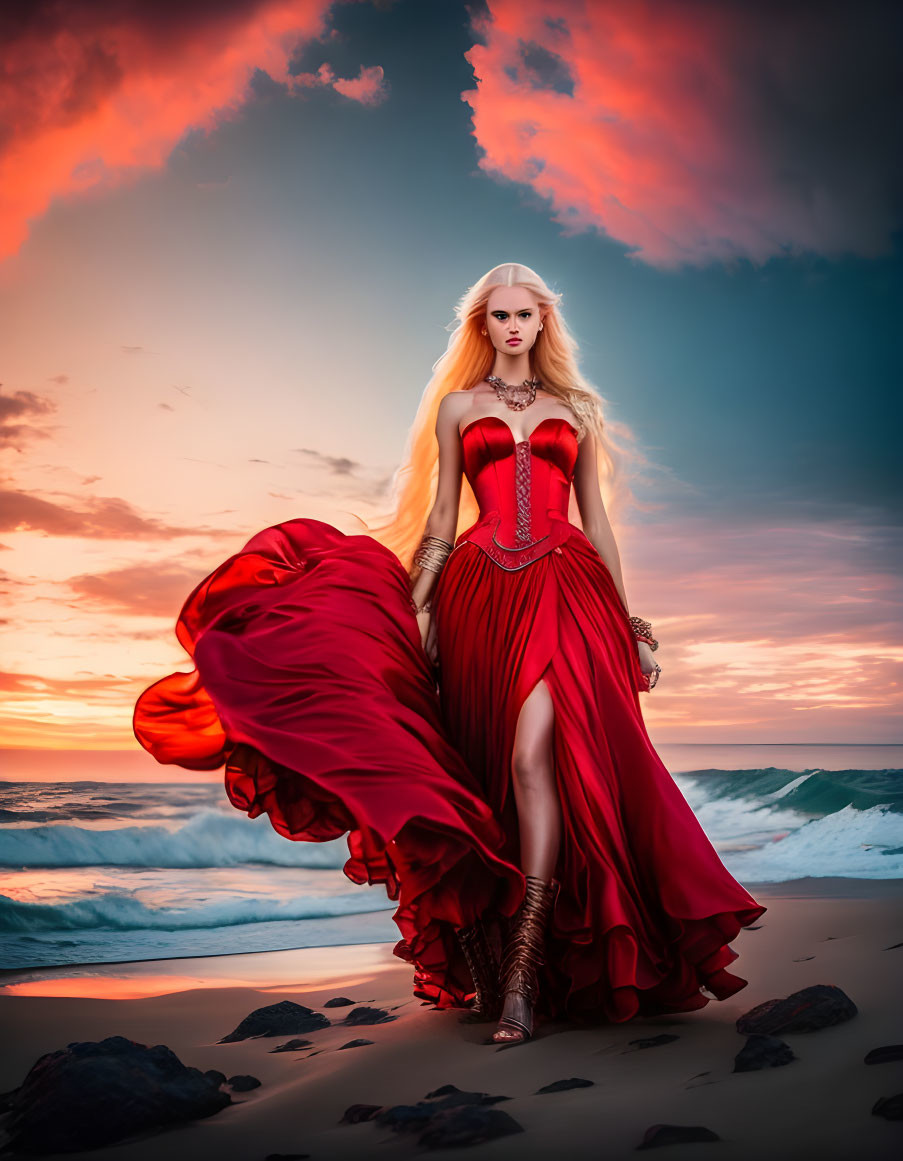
pixel 523 955
pixel 484 970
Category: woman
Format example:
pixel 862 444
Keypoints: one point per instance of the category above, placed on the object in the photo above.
pixel 560 841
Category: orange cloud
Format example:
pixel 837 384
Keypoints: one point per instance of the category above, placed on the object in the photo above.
pixel 76 687
pixel 769 631
pixel 97 93
pixel 154 590
pixel 84 710
pixel 19 406
pixel 104 517
pixel 693 131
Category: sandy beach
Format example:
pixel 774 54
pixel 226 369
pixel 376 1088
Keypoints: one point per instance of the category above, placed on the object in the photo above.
pixel 839 932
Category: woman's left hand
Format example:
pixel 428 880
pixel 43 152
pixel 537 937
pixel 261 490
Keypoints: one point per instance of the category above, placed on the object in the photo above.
pixel 648 664
pixel 427 625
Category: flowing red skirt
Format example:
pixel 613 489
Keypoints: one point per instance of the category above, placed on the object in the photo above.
pixel 646 909
pixel 312 687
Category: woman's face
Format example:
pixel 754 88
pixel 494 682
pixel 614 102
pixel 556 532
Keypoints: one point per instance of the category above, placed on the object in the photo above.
pixel 512 319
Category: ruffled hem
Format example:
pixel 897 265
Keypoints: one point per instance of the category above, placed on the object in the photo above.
pixel 635 984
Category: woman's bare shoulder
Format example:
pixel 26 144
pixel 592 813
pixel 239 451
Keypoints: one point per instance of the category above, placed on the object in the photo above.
pixel 463 392
pixel 456 402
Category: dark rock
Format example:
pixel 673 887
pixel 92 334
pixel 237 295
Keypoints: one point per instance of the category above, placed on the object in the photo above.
pixel 468 1125
pixel 292 1046
pixel 285 1156
pixel 564 1085
pixel 891 1108
pixel 657 1135
pixel 92 1093
pixel 885 1054
pixel 241 1082
pixel 803 958
pixel 652 1041
pixel 818 1006
pixel 338 1002
pixel 215 1076
pixel 399 1117
pixel 417 1116
pixel 762 1052
pixel 354 1044
pixel 368 1016
pixel 354 1114
pixel 280 1019
pixel 458 1099
pixel 444 1090
pixel 754 927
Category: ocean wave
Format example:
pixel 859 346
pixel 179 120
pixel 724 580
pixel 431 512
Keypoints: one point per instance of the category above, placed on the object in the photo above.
pixel 859 844
pixel 210 838
pixel 769 813
pixel 119 910
pixel 739 822
pixel 810 792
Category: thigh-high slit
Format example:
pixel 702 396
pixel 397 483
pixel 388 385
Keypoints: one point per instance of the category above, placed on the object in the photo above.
pixel 646 909
pixel 535 790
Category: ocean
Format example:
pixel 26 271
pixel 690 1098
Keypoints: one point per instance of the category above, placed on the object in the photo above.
pixel 111 871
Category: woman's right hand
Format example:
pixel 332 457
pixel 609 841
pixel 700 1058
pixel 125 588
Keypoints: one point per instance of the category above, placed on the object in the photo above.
pixel 651 669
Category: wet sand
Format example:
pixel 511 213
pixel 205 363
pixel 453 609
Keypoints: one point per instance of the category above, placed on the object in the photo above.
pixel 838 932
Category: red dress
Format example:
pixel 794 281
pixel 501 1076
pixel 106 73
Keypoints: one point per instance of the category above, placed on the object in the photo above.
pixel 312 688
pixel 646 908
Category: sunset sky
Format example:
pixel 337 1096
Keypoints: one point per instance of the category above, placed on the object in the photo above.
pixel 231 239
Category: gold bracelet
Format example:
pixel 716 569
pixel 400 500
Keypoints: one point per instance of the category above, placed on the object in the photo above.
pixel 432 553
pixel 642 630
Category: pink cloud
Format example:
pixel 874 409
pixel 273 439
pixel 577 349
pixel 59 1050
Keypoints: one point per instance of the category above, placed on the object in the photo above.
pixel 96 94
pixel 770 630
pixel 369 87
pixel 692 132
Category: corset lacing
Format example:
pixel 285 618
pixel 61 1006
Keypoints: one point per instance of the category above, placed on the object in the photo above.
pixel 522 458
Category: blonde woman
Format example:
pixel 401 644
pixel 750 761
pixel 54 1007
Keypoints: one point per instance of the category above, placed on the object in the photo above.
pixel 458 690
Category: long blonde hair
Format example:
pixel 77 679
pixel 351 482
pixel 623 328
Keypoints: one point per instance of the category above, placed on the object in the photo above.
pixel 468 359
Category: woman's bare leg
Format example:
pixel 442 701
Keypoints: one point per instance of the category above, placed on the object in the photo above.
pixel 538 805
pixel 535 789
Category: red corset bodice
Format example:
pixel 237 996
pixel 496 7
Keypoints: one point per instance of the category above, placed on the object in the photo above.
pixel 522 488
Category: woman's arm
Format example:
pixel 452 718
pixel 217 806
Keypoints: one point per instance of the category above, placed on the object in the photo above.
pixel 592 512
pixel 599 534
pixel 443 518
